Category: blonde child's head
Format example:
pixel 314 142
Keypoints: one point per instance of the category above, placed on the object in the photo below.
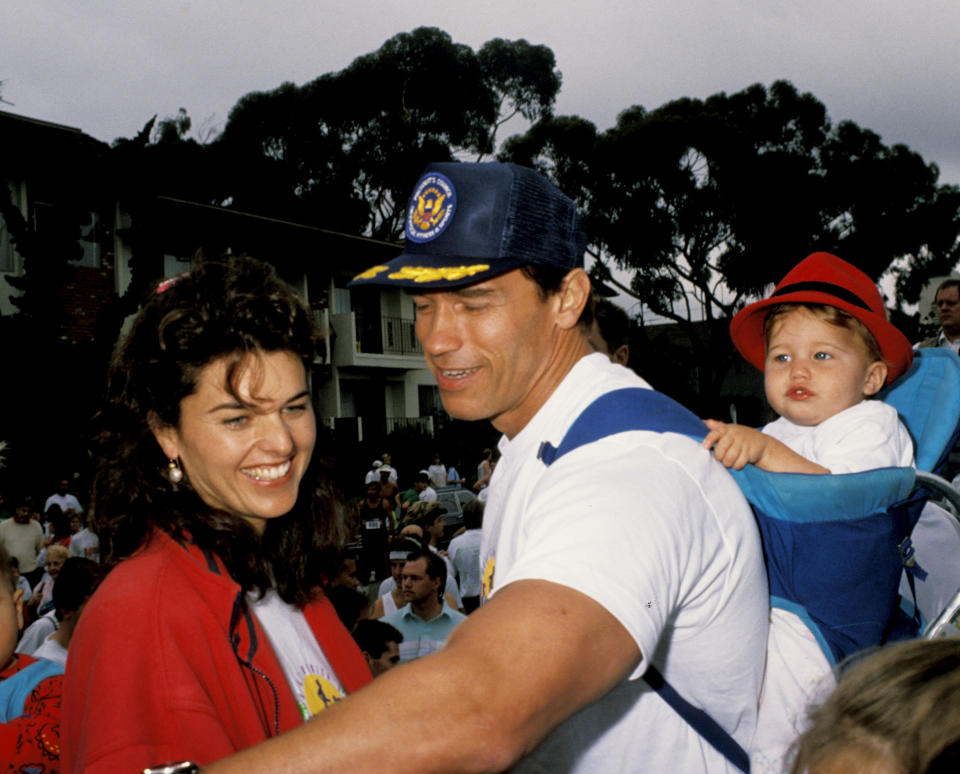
pixel 830 315
pixel 834 292
pixel 896 711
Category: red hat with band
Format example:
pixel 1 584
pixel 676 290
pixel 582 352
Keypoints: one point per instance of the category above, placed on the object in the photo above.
pixel 822 278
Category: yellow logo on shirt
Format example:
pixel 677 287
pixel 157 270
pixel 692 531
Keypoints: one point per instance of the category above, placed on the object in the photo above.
pixel 320 693
pixel 487 588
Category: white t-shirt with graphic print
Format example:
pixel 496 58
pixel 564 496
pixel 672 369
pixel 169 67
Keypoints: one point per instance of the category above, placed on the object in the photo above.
pixel 308 673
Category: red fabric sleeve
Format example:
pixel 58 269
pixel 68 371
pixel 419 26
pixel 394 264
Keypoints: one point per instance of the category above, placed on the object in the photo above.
pixel 31 742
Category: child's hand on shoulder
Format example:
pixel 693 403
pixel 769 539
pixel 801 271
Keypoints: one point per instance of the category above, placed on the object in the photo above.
pixel 734 445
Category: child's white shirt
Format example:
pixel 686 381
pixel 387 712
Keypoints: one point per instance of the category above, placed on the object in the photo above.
pixel 863 437
pixel 866 436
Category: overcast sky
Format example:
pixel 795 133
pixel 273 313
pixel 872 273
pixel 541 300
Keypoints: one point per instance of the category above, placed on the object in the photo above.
pixel 107 66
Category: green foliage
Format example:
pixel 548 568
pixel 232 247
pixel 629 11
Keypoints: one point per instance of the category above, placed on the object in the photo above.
pixel 341 151
pixel 720 197
pixel 703 203
pixel 706 202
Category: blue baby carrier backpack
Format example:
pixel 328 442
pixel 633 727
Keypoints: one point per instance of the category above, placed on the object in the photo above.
pixel 835 545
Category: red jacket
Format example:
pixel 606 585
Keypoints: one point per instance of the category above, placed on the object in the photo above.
pixel 167 664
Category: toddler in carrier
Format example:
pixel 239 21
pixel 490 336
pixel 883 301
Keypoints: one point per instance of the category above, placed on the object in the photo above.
pixel 825 346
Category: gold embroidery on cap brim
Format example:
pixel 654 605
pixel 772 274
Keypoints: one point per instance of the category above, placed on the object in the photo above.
pixel 435 274
pixel 372 272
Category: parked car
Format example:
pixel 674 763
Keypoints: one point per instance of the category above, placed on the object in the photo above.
pixel 453 499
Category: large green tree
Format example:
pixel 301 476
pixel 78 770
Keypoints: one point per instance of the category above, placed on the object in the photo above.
pixel 341 151
pixel 703 203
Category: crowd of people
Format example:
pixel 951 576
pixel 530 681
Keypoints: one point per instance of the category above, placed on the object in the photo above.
pixel 605 606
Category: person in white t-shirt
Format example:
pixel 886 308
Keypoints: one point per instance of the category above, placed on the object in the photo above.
pixel 63 498
pixel 484 471
pixel 825 346
pixel 374 473
pixel 437 473
pixel 85 543
pixel 464 553
pixel 585 587
pixel 386 458
pixel 422 484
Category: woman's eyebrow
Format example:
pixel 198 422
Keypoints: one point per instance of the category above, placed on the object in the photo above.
pixel 239 406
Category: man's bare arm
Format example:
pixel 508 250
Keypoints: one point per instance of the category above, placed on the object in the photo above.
pixel 516 668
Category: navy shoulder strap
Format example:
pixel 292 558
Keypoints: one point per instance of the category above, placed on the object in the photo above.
pixel 699 720
pixel 636 408
pixel 632 408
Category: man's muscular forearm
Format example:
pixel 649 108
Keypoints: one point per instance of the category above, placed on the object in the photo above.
pixel 509 674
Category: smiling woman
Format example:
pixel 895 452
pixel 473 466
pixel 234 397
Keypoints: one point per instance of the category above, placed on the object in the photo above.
pixel 246 455
pixel 209 634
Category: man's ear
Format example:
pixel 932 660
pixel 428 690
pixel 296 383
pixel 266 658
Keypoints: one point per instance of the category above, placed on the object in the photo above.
pixel 875 378
pixel 165 434
pixel 574 296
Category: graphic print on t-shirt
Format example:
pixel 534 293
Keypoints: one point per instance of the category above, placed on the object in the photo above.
pixel 315 692
pixel 487 588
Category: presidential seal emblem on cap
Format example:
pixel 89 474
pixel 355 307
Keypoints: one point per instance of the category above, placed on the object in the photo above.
pixel 432 206
pixel 468 222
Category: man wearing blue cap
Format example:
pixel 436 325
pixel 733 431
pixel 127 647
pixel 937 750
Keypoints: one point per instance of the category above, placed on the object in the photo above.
pixel 591 595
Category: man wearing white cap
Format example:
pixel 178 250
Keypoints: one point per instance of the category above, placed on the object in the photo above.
pixel 374 473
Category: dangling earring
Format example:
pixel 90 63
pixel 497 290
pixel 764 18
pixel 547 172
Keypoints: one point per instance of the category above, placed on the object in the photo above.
pixel 174 473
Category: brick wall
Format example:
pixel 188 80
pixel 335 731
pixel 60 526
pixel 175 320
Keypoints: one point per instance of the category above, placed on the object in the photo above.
pixel 82 299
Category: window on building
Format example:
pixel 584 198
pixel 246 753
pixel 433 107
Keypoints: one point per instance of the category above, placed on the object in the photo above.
pixel 341 300
pixel 429 400
pixel 90 242
pixel 174 265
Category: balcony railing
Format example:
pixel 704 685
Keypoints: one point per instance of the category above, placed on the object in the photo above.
pixel 386 336
pixel 423 425
pixel 354 429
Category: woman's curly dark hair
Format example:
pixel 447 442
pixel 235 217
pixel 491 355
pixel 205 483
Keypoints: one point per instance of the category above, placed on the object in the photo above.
pixel 230 308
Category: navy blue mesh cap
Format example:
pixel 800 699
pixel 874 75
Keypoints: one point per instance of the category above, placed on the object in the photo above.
pixel 467 223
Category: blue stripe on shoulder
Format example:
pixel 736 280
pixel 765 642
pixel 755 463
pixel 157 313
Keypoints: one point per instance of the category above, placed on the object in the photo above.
pixel 620 411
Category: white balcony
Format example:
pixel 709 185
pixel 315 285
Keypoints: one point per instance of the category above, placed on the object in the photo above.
pixel 387 342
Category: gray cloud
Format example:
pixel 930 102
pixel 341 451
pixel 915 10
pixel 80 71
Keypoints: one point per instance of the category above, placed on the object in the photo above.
pixel 106 66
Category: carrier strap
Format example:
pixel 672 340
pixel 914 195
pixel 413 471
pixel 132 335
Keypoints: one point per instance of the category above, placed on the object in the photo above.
pixel 699 720
pixel 636 408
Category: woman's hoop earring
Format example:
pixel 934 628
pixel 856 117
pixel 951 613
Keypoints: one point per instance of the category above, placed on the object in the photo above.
pixel 174 473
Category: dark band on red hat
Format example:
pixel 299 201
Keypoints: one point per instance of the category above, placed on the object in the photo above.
pixel 824 287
